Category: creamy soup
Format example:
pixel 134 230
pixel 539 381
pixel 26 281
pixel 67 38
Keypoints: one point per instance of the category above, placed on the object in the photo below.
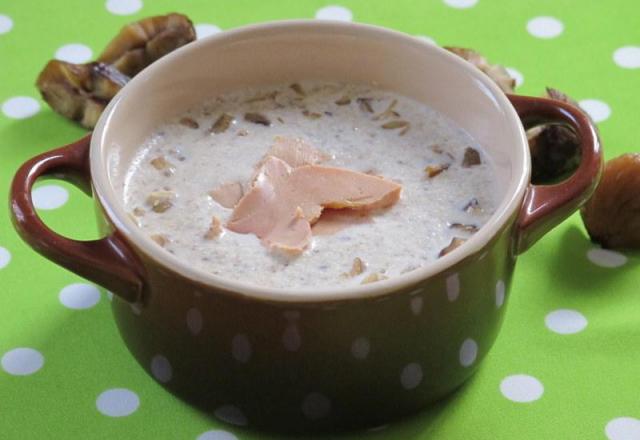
pixel 191 182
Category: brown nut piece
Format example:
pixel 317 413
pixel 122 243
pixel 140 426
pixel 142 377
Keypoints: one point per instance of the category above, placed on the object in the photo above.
pixel 81 92
pixel 496 72
pixel 140 43
pixel 455 243
pixel 612 215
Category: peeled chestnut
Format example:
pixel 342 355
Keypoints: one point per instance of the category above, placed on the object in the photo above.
pixel 612 215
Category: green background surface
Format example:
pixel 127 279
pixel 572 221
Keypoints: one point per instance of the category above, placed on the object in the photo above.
pixel 591 378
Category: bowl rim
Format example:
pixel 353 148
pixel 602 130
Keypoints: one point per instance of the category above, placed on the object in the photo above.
pixel 115 212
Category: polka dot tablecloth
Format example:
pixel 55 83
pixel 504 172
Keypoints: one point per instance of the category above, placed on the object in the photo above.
pixel 566 363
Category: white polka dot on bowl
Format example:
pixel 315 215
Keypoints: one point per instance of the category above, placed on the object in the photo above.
pixel 316 406
pixel 241 348
pixel 468 352
pixel 231 414
pixel 500 291
pixel 411 376
pixel 291 338
pixel 194 321
pixel 161 368
pixel 360 348
pixel 416 304
pixel 453 287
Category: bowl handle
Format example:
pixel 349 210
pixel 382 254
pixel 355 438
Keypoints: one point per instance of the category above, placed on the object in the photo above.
pixel 545 206
pixel 107 261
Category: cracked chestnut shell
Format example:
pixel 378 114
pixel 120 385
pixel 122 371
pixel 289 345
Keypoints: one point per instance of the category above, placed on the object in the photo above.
pixel 141 43
pixel 81 92
pixel 496 72
pixel 612 215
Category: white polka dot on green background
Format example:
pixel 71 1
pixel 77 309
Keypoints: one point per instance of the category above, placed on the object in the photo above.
pixel 217 434
pixel 461 4
pixel 117 402
pixel 333 12
pixel 623 428
pixel 627 57
pixel 204 30
pixel 606 258
pixel 123 7
pixel 49 197
pixel 74 53
pixel 5 257
pixel 20 107
pixel 521 388
pixel 545 27
pixel 22 361
pixel 565 321
pixel 79 296
pixel 597 109
pixel 6 24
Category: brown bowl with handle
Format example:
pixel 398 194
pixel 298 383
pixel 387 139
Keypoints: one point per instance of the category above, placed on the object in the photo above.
pixel 315 358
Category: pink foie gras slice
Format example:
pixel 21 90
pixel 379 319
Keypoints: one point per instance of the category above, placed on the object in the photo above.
pixel 228 194
pixel 333 221
pixel 294 151
pixel 284 201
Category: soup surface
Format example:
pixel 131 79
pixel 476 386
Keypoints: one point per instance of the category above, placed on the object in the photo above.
pixel 190 174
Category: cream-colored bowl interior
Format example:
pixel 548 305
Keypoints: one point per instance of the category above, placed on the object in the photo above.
pixel 290 51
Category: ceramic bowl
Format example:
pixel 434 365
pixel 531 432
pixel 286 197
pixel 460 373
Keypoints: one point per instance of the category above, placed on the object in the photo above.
pixel 315 358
